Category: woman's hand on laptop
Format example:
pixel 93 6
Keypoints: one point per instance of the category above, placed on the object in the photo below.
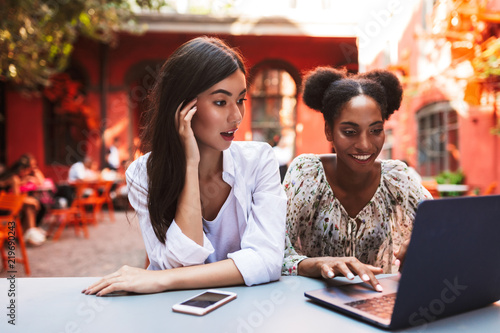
pixel 329 267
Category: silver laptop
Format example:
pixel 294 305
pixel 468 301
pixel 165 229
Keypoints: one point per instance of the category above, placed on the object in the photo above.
pixel 452 266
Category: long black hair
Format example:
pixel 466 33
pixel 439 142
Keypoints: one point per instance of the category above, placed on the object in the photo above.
pixel 193 68
pixel 22 163
pixel 328 89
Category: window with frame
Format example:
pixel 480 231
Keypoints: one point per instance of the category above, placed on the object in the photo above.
pixel 68 122
pixel 438 148
pixel 273 99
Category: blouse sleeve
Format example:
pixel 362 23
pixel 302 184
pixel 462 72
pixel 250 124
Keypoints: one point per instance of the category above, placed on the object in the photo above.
pixel 261 254
pixel 178 249
pixel 408 192
pixel 298 189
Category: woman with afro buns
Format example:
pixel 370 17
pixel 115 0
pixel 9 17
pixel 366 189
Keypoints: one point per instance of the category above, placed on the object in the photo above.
pixel 348 212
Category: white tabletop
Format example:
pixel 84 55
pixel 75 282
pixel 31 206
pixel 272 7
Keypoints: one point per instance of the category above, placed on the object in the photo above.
pixel 56 305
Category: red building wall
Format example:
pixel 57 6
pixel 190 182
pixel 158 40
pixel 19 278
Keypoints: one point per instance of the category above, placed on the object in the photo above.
pixel 479 149
pixel 24 130
pixel 136 55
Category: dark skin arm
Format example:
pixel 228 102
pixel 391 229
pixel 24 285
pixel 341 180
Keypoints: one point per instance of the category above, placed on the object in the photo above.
pixel 329 267
pixel 401 254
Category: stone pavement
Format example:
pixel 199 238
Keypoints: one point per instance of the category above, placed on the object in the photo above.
pixel 110 245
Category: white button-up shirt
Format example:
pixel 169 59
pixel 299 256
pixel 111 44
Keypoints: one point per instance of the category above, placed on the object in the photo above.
pixel 257 216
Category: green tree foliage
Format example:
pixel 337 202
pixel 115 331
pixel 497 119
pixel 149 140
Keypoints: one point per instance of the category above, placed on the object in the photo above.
pixel 37 36
pixel 487 64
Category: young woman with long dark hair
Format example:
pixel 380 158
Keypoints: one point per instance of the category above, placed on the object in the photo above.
pixel 211 211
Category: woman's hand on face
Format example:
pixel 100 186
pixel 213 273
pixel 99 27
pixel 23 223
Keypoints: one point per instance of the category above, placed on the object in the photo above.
pixel 183 117
pixel 400 254
pixel 349 267
pixel 127 278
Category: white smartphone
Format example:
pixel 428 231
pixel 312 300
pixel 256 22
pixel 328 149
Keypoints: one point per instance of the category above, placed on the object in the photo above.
pixel 205 302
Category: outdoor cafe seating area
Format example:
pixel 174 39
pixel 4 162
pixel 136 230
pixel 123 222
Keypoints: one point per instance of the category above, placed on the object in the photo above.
pixel 91 203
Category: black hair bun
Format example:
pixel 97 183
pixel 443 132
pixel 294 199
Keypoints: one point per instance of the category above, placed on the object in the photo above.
pixel 392 87
pixel 317 82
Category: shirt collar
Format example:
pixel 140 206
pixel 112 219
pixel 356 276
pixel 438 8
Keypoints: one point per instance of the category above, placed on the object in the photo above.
pixel 228 172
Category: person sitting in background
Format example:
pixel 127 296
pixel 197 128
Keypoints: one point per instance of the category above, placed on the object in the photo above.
pixel 118 191
pixel 34 175
pixel 6 179
pixel 32 211
pixel 37 185
pixel 83 170
pixel 113 158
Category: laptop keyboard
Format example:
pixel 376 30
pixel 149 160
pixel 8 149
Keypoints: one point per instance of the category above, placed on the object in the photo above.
pixel 381 307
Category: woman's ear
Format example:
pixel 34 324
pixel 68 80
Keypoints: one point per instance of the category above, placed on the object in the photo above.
pixel 328 132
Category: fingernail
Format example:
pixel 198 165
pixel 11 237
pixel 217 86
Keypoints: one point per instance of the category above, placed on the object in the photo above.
pixel 330 274
pixel 397 262
pixel 83 291
pixel 378 287
pixel 365 277
pixel 350 276
pixel 98 294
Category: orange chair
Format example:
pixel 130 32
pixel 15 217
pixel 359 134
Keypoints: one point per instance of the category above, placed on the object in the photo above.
pixel 102 189
pixel 490 189
pixel 77 214
pixel 11 229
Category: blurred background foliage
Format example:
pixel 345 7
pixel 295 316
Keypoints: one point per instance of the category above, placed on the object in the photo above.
pixel 487 64
pixel 37 36
pixel 449 177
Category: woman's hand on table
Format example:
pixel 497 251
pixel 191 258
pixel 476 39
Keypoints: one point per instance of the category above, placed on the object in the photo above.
pixel 329 267
pixel 127 278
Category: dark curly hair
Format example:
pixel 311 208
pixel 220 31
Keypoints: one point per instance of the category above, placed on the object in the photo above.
pixel 327 90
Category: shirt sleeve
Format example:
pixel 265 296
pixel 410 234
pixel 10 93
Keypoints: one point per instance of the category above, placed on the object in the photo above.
pixel 294 189
pixel 261 254
pixel 178 249
pixel 407 192
pixel 76 172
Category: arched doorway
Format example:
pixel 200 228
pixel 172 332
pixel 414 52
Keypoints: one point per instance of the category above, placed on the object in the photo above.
pixel 438 148
pixel 273 92
pixel 70 126
pixel 139 80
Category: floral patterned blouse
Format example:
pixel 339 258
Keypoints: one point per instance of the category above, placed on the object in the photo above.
pixel 319 226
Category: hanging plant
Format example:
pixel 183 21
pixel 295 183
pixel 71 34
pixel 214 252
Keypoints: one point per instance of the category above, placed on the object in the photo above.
pixel 487 68
pixel 450 177
pixel 487 64
pixel 68 98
